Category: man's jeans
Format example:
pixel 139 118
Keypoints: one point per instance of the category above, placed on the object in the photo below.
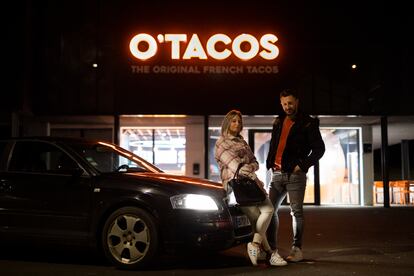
pixel 293 184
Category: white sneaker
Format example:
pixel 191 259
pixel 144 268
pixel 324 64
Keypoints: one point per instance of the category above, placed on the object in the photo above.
pixel 295 255
pixel 253 252
pixel 277 260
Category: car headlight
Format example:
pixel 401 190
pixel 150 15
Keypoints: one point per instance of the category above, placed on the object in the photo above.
pixel 194 202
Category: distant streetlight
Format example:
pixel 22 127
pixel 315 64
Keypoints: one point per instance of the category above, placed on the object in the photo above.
pixel 95 65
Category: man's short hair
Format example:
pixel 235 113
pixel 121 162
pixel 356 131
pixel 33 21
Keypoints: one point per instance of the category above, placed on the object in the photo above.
pixel 289 92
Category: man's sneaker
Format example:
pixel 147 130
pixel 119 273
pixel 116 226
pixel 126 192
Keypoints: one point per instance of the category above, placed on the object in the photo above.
pixel 295 255
pixel 277 260
pixel 253 252
pixel 262 255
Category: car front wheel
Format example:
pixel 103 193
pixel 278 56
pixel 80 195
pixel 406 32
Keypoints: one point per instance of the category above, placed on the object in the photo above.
pixel 129 238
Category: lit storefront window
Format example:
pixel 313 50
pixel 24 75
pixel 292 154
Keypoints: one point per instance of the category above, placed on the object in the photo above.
pixel 339 167
pixel 162 146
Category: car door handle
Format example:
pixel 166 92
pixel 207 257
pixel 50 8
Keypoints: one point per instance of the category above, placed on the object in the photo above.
pixel 5 186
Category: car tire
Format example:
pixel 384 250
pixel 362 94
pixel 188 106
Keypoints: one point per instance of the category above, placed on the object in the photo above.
pixel 130 238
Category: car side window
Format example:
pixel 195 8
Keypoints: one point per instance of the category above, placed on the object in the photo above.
pixel 40 157
pixel 3 147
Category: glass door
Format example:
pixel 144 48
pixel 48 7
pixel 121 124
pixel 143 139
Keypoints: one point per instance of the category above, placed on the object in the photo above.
pixel 259 142
pixel 340 166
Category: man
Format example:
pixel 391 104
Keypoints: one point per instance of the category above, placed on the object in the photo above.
pixel 296 145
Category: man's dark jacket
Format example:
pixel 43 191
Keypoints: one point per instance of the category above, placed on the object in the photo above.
pixel 304 145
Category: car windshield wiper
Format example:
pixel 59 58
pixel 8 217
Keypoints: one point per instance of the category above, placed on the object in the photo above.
pixel 127 168
pixel 122 168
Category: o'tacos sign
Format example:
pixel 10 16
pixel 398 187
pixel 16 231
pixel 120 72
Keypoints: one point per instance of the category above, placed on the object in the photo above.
pixel 218 47
pixel 264 46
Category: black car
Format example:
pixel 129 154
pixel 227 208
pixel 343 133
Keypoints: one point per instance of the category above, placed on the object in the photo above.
pixel 73 191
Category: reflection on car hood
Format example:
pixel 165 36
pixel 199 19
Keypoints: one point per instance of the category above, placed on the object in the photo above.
pixel 179 179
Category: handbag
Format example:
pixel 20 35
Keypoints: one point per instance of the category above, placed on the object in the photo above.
pixel 246 191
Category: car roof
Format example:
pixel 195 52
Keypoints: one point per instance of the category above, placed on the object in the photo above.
pixel 50 139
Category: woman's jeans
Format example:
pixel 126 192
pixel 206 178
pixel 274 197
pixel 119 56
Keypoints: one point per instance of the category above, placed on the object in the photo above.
pixel 260 216
pixel 294 185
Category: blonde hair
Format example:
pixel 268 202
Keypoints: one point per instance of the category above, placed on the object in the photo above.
pixel 225 125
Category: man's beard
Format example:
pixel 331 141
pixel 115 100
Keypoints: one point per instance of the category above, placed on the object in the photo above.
pixel 291 113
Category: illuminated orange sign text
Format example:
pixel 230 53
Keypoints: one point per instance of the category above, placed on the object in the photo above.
pixel 264 47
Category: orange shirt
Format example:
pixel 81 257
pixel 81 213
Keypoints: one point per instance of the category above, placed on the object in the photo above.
pixel 287 125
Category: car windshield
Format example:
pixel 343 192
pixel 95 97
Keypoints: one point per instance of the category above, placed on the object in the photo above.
pixel 106 157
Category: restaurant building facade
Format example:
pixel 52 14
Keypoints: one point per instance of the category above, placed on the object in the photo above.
pixel 157 79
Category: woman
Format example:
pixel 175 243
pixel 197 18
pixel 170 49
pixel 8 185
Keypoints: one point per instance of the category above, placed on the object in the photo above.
pixel 231 150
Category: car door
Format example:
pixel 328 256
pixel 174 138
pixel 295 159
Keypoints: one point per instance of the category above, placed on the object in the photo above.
pixel 4 150
pixel 49 194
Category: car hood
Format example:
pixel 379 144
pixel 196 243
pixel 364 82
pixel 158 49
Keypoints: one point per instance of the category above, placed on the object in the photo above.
pixel 170 178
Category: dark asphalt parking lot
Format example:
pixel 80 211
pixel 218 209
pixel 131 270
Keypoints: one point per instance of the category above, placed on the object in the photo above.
pixel 338 241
